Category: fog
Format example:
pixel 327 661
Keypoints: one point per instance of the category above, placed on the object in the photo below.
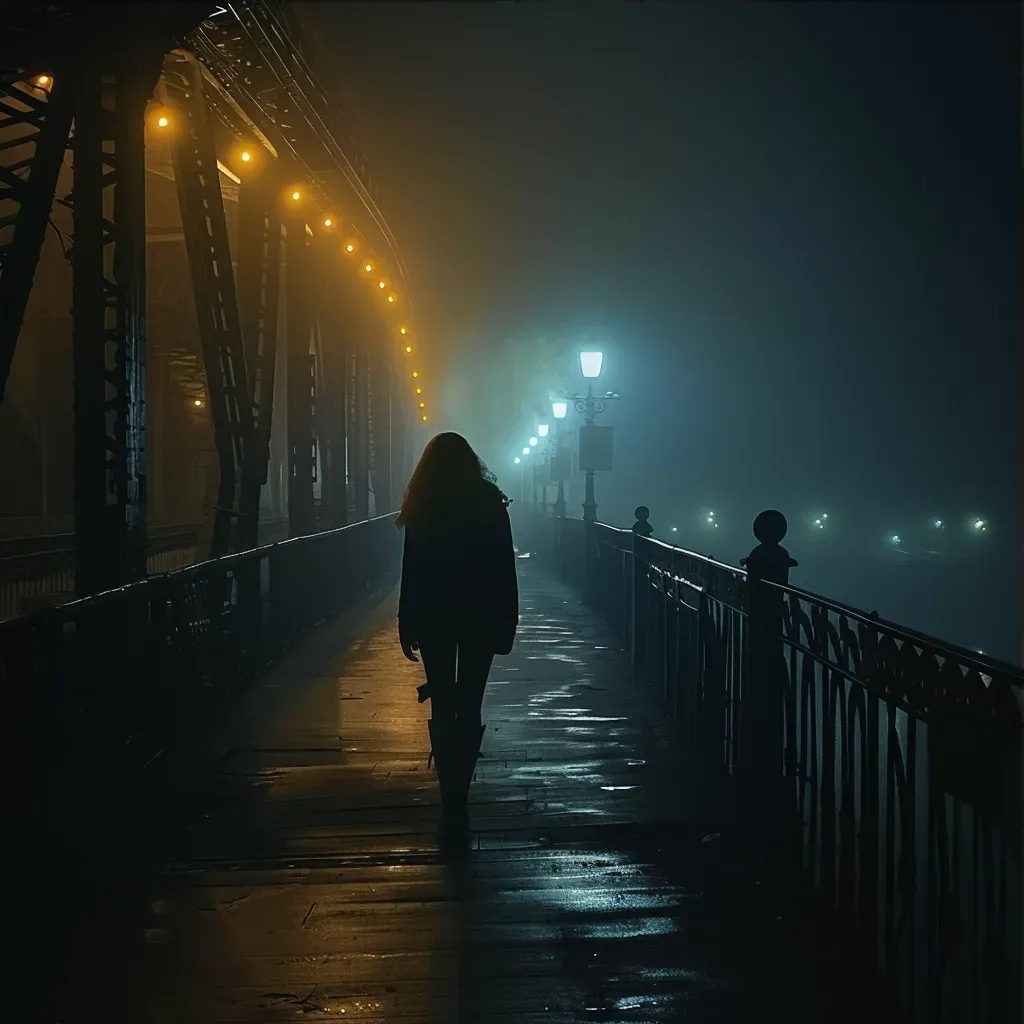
pixel 794 230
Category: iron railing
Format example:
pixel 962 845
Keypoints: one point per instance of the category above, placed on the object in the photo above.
pixel 887 762
pixel 96 688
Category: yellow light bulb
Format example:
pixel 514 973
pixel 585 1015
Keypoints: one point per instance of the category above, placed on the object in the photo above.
pixel 415 373
pixel 350 247
pixel 368 267
pixel 43 80
pixel 424 418
pixel 402 330
pixel 380 284
pixel 419 391
pixel 391 298
pixel 162 122
pixel 198 403
pixel 328 222
pixel 246 156
pixel 423 405
pixel 408 348
pixel 296 195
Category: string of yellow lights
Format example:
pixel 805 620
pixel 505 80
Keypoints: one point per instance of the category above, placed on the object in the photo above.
pixel 250 159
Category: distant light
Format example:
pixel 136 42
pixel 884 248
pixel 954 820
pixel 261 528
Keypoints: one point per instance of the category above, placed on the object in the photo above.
pixel 415 373
pixel 937 524
pixel 895 538
pixel 419 391
pixel 403 330
pixel 675 529
pixel 198 403
pixel 391 298
pixel 824 515
pixel 517 460
pixel 423 405
pixel 328 222
pixel 542 430
pixel 380 284
pixel 980 524
pixel 162 121
pixel 245 156
pixel 368 268
pixel 559 410
pixel 819 524
pixel 296 195
pixel 534 442
pixel 408 349
pixel 590 364
pixel 350 247
pixel 711 515
pixel 45 80
pixel 526 451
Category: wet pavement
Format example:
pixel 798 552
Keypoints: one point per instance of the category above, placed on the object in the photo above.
pixel 300 873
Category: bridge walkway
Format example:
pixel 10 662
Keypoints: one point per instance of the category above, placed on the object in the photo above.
pixel 301 873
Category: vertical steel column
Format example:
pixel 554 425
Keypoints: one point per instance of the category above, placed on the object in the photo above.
pixel 359 451
pixel 206 241
pixel 259 281
pixel 333 297
pixel 300 382
pixel 399 440
pixel 34 127
pixel 109 289
pixel 380 415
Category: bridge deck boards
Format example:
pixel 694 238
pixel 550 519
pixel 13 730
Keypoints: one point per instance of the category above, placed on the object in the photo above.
pixel 301 876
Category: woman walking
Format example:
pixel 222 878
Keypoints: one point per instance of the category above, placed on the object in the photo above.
pixel 459 603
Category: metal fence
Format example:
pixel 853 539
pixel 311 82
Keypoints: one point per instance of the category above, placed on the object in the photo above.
pixel 886 763
pixel 96 688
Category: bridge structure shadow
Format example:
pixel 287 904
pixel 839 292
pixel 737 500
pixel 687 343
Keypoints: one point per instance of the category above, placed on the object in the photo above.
pixel 298 868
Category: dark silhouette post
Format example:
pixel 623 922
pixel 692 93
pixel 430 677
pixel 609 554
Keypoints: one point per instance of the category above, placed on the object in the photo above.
pixel 761 745
pixel 642 529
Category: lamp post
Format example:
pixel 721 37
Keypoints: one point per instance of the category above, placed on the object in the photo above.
pixel 559 409
pixel 590 405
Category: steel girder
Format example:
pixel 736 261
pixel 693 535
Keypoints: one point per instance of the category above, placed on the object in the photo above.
pixel 259 282
pixel 359 407
pixel 380 420
pixel 34 126
pixel 301 378
pixel 108 259
pixel 197 179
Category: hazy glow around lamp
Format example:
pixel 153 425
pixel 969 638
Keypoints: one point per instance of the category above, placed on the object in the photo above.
pixel 590 364
pixel 542 430
pixel 559 410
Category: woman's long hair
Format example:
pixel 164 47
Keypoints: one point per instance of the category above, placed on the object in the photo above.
pixel 449 480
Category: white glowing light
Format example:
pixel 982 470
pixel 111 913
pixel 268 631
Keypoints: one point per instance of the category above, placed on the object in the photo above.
pixel 534 442
pixel 542 430
pixel 526 451
pixel 590 364
pixel 517 460
pixel 559 410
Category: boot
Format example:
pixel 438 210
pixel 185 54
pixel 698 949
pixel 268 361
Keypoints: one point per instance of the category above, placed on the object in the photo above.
pixel 468 746
pixel 444 749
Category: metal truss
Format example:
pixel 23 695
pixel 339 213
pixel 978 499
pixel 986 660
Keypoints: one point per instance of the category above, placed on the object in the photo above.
pixel 206 240
pixel 35 120
pixel 108 259
pixel 301 381
pixel 259 282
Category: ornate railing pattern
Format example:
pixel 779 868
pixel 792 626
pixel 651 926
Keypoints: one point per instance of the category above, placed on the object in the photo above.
pixel 889 763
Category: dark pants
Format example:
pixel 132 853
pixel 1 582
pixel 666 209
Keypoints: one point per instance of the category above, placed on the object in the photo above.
pixel 456 666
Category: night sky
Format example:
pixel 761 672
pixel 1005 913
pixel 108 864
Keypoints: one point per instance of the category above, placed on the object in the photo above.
pixel 796 226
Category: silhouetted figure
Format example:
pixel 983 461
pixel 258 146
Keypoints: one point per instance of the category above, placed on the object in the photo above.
pixel 459 603
pixel 642 528
pixel 769 560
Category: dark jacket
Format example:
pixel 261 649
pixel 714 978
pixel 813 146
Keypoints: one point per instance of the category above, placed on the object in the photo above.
pixel 460 572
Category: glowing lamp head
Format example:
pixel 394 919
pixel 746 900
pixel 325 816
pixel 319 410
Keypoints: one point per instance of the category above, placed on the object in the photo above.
pixel 403 330
pixel 415 373
pixel 43 80
pixel 590 364
pixel 328 222
pixel 380 284
pixel 559 410
pixel 368 268
pixel 534 442
pixel 419 391
pixel 424 418
pixel 542 430
pixel 408 349
pixel 296 196
pixel 979 525
pixel 245 156
pixel 162 121
pixel 526 451
pixel 350 247
pixel 894 539
pixel 391 298
pixel 517 460
pixel 198 403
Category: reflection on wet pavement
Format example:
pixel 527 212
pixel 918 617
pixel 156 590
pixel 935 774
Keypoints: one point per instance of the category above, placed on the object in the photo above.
pixel 306 876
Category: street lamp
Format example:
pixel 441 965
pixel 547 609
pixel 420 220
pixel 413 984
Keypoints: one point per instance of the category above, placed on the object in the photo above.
pixel 590 364
pixel 542 430
pixel 534 442
pixel 559 409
